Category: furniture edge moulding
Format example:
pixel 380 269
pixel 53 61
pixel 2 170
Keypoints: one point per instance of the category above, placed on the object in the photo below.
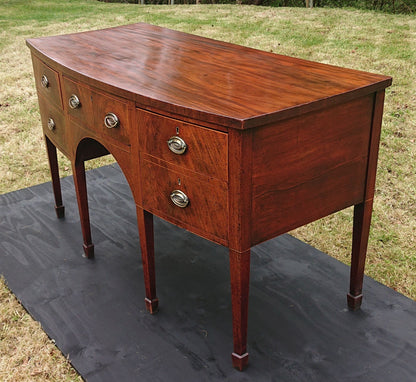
pixel 240 189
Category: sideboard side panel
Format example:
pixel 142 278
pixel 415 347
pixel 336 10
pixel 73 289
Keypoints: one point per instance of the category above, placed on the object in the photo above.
pixel 308 167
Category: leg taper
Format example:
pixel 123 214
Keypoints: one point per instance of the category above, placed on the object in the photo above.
pixel 361 230
pixel 145 225
pixel 82 198
pixel 56 182
pixel 240 278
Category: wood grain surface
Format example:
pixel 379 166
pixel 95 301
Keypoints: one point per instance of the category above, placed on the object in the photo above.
pixel 200 78
pixel 307 167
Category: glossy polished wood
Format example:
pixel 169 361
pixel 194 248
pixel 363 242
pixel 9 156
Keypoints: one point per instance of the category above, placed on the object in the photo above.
pixel 202 79
pixel 316 164
pixel 272 142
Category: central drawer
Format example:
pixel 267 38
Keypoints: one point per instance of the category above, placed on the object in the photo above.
pixel 103 115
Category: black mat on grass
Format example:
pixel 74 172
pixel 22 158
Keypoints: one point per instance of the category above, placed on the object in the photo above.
pixel 299 327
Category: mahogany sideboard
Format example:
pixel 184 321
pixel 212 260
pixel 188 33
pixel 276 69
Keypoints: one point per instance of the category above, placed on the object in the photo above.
pixel 233 144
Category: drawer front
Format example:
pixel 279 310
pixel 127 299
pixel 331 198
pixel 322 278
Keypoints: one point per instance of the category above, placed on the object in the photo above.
pixel 207 211
pixel 53 125
pixel 206 150
pixel 77 102
pixel 47 82
pixel 108 111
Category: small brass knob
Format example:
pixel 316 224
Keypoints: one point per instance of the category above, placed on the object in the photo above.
pixel 74 102
pixel 51 124
pixel 111 121
pixel 179 198
pixel 177 145
pixel 44 81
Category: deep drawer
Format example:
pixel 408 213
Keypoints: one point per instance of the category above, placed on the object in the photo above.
pixel 207 211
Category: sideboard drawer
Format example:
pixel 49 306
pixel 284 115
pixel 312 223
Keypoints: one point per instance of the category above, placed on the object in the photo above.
pixel 111 118
pixel 207 209
pixel 47 82
pixel 78 102
pixel 206 150
pixel 53 124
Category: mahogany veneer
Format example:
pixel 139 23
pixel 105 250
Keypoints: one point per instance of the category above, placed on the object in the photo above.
pixel 259 143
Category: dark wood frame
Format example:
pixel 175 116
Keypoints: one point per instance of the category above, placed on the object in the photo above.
pixel 298 140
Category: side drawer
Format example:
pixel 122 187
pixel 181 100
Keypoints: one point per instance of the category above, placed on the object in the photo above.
pixel 47 82
pixel 53 125
pixel 206 149
pixel 207 211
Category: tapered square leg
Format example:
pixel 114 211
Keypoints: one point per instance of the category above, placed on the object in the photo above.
pixel 361 230
pixel 56 182
pixel 145 226
pixel 240 279
pixel 82 198
pixel 363 211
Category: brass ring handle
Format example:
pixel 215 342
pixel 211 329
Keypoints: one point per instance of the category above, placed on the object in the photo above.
pixel 177 145
pixel 111 121
pixel 179 198
pixel 44 81
pixel 51 124
pixel 74 102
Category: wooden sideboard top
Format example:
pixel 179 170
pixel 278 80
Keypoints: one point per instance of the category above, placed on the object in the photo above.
pixel 201 79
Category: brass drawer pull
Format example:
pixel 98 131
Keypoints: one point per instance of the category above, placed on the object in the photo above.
pixel 51 124
pixel 74 102
pixel 179 198
pixel 177 145
pixel 111 121
pixel 44 81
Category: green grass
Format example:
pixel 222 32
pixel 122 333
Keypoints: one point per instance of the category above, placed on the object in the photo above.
pixel 364 40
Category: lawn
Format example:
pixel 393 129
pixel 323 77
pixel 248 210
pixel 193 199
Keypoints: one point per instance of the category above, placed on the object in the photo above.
pixel 364 40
